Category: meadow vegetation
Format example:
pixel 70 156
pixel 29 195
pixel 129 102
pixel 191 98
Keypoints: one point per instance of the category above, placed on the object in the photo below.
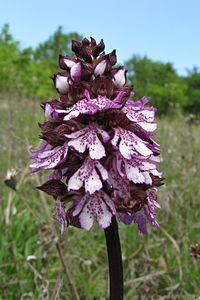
pixel 159 266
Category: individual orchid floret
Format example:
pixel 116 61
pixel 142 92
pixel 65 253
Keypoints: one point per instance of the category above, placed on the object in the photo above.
pixel 72 65
pixel 50 158
pixel 138 113
pixel 88 176
pixel 91 106
pixel 88 138
pixel 130 144
pixel 67 62
pixel 98 206
pixel 137 169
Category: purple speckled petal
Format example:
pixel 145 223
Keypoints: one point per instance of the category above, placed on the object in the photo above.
pixel 138 113
pixel 87 175
pixel 98 206
pixel 91 106
pixel 137 169
pixel 49 159
pixel 87 138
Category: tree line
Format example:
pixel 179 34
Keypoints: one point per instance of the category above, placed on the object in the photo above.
pixel 27 71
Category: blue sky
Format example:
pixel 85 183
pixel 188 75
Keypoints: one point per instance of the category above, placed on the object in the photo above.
pixel 165 30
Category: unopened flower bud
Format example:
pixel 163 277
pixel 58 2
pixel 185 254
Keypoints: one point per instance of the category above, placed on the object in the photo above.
pixel 86 54
pixel 61 82
pixel 98 48
pixel 113 57
pixel 93 42
pixel 76 46
pixel 119 78
pixel 100 68
pixel 85 42
pixel 75 72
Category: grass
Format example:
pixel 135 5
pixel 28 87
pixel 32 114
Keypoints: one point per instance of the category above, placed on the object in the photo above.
pixel 159 266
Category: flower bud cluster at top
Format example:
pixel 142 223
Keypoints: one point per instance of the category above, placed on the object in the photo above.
pixel 98 143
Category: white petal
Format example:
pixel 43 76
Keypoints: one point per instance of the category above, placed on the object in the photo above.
pixel 69 63
pixel 155 158
pixel 134 174
pixel 125 150
pixel 76 134
pixel 86 219
pixel 156 173
pixel 96 149
pixel 105 216
pixel 48 153
pixel 73 114
pixel 78 145
pixel 148 115
pixel 148 126
pixel 142 149
pixel 75 183
pixel 75 72
pixel 146 166
pixel 115 139
pixel 148 179
pixel 48 112
pixel 93 183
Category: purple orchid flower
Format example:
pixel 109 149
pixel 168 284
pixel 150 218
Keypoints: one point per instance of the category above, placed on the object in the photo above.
pixel 99 144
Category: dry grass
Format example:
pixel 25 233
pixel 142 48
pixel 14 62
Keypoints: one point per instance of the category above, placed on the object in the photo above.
pixel 159 266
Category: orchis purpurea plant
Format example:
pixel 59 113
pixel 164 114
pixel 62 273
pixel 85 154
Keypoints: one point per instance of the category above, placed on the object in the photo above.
pixel 98 144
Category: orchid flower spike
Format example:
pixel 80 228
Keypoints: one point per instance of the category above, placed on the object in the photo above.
pixel 98 144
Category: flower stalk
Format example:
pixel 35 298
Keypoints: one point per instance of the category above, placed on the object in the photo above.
pixel 114 260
